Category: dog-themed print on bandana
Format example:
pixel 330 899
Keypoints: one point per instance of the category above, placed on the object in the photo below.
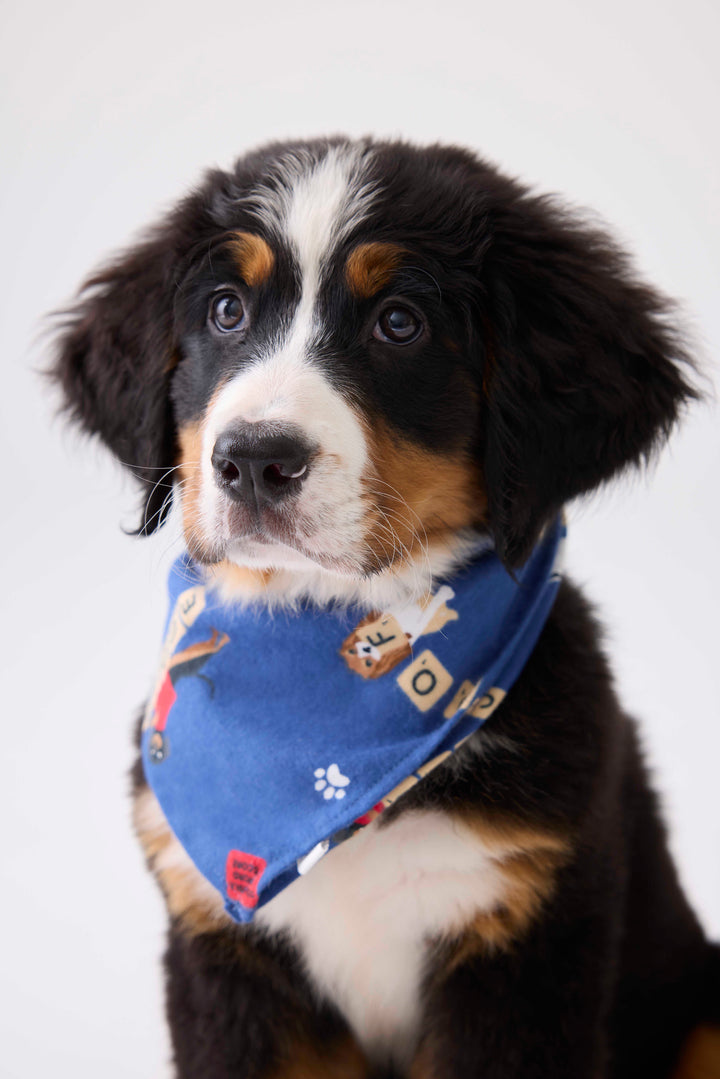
pixel 381 641
pixel 271 738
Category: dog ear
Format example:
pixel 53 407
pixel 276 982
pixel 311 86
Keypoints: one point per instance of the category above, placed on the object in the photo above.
pixel 584 371
pixel 116 352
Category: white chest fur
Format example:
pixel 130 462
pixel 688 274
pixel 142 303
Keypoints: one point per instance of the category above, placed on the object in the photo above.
pixel 363 916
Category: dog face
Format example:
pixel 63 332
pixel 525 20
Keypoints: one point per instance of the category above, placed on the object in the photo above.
pixel 315 355
pixel 356 357
pixel 376 646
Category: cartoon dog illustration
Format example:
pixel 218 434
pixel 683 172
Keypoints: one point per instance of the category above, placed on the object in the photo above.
pixel 381 641
pixel 188 661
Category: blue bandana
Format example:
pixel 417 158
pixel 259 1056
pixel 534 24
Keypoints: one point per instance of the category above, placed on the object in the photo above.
pixel 272 737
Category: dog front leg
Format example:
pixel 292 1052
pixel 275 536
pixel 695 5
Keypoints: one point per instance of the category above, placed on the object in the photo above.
pixel 239 1008
pixel 535 1011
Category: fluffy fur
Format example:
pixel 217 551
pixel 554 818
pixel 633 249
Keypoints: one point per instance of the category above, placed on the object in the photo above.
pixel 362 362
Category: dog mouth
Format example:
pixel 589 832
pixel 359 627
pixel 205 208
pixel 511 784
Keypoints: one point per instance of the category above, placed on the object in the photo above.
pixel 356 536
pixel 266 498
pixel 284 537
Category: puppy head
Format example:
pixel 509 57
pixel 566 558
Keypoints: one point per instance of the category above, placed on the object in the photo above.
pixel 355 356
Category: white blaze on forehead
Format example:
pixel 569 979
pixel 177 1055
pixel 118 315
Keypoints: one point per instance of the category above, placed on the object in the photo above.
pixel 325 205
pixel 313 204
pixel 311 207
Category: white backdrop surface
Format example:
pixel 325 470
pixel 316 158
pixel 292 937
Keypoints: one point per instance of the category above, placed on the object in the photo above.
pixel 107 117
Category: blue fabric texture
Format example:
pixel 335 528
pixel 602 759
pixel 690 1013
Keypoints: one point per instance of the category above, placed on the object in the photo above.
pixel 271 737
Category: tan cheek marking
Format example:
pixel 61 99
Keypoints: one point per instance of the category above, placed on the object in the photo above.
pixel 418 496
pixel 190 438
pixel 237 583
pixel 370 266
pixel 700 1057
pixel 189 896
pixel 253 257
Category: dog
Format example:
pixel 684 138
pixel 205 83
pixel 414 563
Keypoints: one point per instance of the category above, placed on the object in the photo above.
pixel 362 366
pixel 379 644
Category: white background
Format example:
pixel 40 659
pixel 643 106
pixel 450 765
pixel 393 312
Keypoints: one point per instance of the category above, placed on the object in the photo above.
pixel 106 120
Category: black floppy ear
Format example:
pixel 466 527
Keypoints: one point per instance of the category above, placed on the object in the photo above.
pixel 584 370
pixel 116 352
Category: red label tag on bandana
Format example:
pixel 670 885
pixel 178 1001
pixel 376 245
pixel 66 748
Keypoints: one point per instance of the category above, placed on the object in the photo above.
pixel 242 876
pixel 165 700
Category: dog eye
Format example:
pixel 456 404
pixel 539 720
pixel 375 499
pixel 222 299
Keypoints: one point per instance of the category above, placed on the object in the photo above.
pixel 227 311
pixel 398 325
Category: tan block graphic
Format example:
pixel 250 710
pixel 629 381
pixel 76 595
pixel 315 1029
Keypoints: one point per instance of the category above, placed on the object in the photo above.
pixel 429 766
pixel 426 664
pixel 461 699
pixel 385 635
pixel 487 704
pixel 425 680
pixel 397 792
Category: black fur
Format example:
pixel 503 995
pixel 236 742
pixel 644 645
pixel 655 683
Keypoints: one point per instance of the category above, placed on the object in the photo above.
pixel 596 988
pixel 575 372
pixel 584 375
pixel 578 361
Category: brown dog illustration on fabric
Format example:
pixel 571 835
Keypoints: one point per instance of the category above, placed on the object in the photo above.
pixel 381 641
pixel 189 661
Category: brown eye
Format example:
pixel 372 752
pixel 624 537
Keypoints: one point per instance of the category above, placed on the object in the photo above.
pixel 398 325
pixel 227 311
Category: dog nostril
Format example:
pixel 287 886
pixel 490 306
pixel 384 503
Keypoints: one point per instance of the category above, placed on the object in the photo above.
pixel 278 475
pixel 261 464
pixel 227 471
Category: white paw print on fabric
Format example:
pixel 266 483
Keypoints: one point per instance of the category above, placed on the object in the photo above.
pixel 331 782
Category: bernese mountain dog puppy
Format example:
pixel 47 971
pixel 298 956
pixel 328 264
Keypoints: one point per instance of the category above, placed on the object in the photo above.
pixel 365 367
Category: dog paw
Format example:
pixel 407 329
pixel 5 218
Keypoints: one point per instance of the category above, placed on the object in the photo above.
pixel 331 782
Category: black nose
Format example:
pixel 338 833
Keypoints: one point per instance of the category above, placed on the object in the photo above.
pixel 260 463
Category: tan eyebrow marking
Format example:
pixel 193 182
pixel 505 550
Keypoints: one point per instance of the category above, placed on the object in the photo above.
pixel 370 266
pixel 253 256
